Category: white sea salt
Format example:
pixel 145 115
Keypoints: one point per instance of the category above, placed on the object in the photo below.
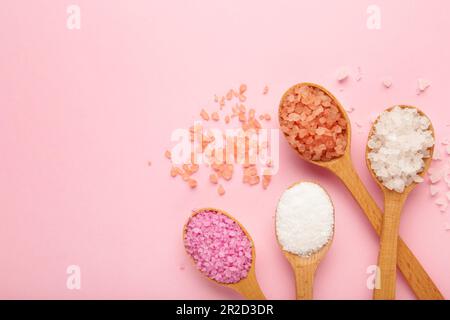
pixel 400 141
pixel 304 219
pixel 434 190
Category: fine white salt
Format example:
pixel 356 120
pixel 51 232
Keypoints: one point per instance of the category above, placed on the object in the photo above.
pixel 400 141
pixel 304 219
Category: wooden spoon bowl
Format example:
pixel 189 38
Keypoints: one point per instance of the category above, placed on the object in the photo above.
pixel 393 205
pixel 343 168
pixel 304 267
pixel 248 287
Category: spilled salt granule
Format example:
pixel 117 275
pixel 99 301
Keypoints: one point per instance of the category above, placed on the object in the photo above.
pixel 222 164
pixel 442 203
pixel 304 219
pixel 422 85
pixel 400 141
pixel 358 75
pixel 313 123
pixel 342 73
pixel 434 178
pixel 387 82
pixel 434 190
pixel 219 247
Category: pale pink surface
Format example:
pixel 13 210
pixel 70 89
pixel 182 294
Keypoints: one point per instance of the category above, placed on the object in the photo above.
pixel 82 112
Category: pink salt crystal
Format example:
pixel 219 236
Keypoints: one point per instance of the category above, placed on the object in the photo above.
pixel 265 90
pixel 310 118
pixel 294 117
pixel 221 250
pixel 342 73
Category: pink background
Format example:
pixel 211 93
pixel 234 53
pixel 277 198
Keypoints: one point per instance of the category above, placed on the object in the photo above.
pixel 82 113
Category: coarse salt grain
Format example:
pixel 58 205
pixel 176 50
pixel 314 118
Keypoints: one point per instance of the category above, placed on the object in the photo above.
pixel 434 190
pixel 342 73
pixel 219 247
pixel 422 85
pixel 387 82
pixel 304 219
pixel 313 123
pixel 400 141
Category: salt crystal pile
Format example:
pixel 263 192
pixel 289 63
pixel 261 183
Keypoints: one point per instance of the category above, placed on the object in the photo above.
pixel 400 141
pixel 219 247
pixel 304 219
pixel 313 123
pixel 247 119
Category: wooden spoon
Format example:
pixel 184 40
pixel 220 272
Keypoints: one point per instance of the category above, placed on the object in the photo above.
pixel 343 168
pixel 305 267
pixel 248 287
pixel 393 205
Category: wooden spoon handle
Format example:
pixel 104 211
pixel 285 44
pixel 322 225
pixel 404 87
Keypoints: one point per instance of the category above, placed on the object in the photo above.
pixel 387 258
pixel 249 287
pixel 412 270
pixel 304 281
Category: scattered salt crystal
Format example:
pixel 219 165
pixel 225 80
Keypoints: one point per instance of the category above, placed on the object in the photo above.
pixel 434 190
pixel 441 202
pixel 445 142
pixel 219 247
pixel 304 219
pixel 399 143
pixel 422 85
pixel 358 75
pixel 342 74
pixel 435 178
pixel 387 82
pixel 350 109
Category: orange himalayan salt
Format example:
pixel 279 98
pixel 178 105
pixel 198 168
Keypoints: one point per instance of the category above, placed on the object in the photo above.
pixel 213 178
pixel 220 190
pixel 204 115
pixel 230 94
pixel 173 171
pixel 168 154
pixel 266 180
pixel 215 116
pixel 227 119
pixel 242 88
pixel 313 124
pixel 192 183
pixel 267 117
